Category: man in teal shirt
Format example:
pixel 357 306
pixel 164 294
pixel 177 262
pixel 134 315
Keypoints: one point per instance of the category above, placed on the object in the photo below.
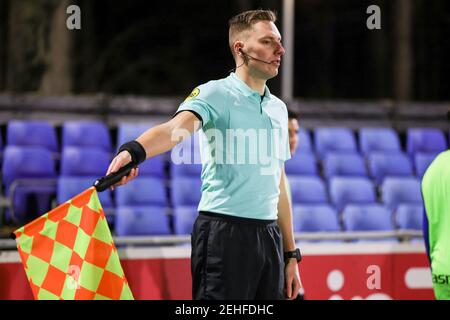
pixel 242 242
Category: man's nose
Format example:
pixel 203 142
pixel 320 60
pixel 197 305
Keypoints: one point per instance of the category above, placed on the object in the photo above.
pixel 280 50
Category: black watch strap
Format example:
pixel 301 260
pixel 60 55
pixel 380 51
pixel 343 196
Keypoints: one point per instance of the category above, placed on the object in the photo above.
pixel 293 254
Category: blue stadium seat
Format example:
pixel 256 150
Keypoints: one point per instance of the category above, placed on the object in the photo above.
pixel 425 140
pixel 32 133
pixel 307 190
pixel 68 187
pixel 142 191
pixel 315 218
pixel 336 164
pixel 334 140
pixel 92 134
pixel 141 208
pixel 127 131
pixel 304 141
pixel 382 165
pixel 302 163
pixel 422 161
pixel 409 216
pixel 153 167
pixel 34 168
pixel 141 220
pixel 2 146
pixel 185 158
pixel 395 191
pixel 367 218
pixel 378 139
pixel 186 191
pixel 184 218
pixel 351 190
pixel 80 162
pixel 187 151
pixel 185 170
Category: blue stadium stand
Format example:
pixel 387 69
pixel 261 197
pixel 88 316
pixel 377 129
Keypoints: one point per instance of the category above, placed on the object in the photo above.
pixel 373 217
pixel 141 208
pixel 334 139
pixel 32 133
pixel 308 190
pixel 337 164
pixel 28 172
pixel 425 140
pixel 155 166
pixel 302 163
pixel 396 191
pixel 84 161
pixel 186 191
pixel 351 190
pixel 93 134
pixel 315 218
pixel 422 161
pixel 184 218
pixel 2 146
pixel 409 217
pixel 304 141
pixel 378 140
pixel 186 194
pixel 382 165
pixel 68 187
pixel 185 158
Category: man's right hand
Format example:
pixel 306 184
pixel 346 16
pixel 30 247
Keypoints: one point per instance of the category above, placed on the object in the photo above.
pixel 122 159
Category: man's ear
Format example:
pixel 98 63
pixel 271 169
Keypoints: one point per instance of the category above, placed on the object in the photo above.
pixel 238 45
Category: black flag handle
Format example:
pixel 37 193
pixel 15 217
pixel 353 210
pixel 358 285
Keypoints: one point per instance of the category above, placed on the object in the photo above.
pixel 111 179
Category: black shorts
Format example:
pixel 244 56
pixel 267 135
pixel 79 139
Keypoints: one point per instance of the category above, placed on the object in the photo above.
pixel 236 258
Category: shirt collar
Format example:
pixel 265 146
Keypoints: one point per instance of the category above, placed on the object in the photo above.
pixel 245 89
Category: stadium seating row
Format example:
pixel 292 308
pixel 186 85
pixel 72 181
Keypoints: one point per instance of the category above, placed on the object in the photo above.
pixel 324 139
pixel 377 165
pixel 332 186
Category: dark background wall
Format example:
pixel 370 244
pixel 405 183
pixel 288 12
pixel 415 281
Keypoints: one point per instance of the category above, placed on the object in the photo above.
pixel 165 48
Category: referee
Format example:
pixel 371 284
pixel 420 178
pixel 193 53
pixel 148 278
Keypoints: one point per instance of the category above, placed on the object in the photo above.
pixel 242 241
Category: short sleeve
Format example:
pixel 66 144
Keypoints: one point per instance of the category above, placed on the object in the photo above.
pixel 197 103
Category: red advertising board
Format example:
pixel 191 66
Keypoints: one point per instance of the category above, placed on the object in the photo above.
pixel 328 271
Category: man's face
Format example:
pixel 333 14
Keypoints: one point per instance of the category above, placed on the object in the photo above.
pixel 293 135
pixel 263 42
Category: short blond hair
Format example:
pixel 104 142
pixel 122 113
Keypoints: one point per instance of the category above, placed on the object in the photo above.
pixel 245 20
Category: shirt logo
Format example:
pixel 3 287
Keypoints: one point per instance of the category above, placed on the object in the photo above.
pixel 193 94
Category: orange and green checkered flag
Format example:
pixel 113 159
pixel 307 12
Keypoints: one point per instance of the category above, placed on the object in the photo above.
pixel 69 253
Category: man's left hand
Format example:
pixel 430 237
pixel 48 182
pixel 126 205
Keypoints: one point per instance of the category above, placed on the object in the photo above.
pixel 292 276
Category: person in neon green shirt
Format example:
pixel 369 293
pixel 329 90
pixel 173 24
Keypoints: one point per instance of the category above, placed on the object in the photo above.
pixel 436 226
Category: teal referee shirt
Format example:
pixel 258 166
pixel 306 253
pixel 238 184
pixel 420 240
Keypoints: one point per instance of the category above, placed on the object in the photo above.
pixel 243 145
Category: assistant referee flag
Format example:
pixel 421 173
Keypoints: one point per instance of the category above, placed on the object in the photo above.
pixel 69 253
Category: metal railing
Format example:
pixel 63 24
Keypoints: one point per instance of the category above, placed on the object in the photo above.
pixel 401 235
pixel 51 182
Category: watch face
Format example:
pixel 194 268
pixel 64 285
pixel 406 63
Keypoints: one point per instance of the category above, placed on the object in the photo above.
pixel 294 254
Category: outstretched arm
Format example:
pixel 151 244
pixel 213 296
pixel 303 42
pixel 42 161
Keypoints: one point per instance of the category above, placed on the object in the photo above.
pixel 157 140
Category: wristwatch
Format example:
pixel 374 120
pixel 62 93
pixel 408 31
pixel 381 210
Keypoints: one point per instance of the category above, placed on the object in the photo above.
pixel 293 254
